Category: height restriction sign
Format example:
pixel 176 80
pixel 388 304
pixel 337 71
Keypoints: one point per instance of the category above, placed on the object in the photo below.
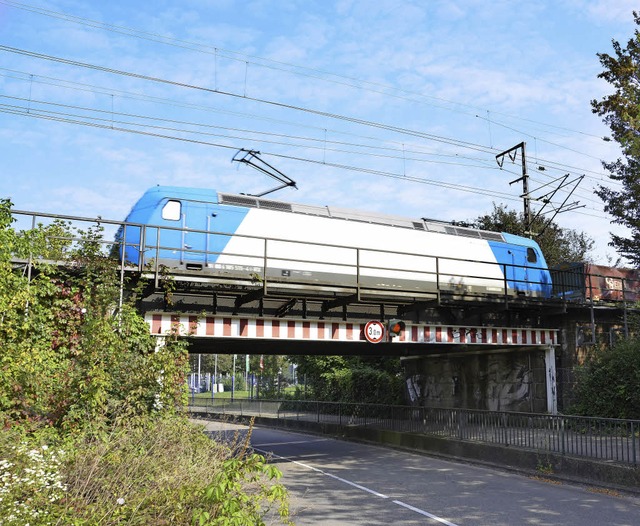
pixel 374 331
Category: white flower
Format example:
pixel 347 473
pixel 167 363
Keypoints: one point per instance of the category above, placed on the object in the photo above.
pixel 120 501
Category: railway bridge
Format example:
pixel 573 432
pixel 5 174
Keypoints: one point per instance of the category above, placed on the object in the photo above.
pixel 503 353
pixel 459 348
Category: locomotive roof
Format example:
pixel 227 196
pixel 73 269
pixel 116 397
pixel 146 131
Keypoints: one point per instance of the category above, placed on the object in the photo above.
pixel 357 215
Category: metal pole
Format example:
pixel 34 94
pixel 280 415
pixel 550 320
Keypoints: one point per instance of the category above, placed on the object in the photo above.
pixel 511 152
pixel 199 376
pixel 550 363
pixel 233 377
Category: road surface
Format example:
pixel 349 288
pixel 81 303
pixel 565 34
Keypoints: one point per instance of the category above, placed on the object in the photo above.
pixel 333 482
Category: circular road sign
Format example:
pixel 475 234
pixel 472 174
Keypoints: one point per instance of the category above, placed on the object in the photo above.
pixel 374 331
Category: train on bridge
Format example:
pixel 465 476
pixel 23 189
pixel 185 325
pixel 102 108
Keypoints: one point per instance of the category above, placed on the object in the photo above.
pixel 228 236
pixel 238 238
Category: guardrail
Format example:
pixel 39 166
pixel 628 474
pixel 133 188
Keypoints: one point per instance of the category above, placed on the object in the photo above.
pixel 146 247
pixel 607 439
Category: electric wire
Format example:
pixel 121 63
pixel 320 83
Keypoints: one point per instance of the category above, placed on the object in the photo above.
pixel 353 120
pixel 53 81
pixel 270 63
pixel 111 125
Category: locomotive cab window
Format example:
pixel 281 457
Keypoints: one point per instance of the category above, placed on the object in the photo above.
pixel 172 210
pixel 532 257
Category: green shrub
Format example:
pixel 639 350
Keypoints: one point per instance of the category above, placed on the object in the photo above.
pixel 361 384
pixel 146 471
pixel 91 423
pixel 609 383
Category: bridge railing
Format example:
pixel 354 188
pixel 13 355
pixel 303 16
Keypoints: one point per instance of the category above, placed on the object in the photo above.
pixel 615 440
pixel 264 261
pixel 261 262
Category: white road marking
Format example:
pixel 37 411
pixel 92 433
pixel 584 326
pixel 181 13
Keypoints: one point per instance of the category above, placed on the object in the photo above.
pixel 287 443
pixel 425 513
pixel 358 486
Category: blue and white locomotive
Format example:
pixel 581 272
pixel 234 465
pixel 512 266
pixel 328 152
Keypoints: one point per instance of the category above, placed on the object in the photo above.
pixel 231 236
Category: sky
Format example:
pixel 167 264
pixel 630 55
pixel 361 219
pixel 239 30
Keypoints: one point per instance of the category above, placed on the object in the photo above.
pixel 391 106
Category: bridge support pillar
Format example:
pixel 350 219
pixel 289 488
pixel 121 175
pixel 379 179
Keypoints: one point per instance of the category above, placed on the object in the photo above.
pixel 550 366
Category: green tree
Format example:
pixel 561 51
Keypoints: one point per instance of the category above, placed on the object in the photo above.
pixel 559 245
pixel 621 112
pixel 353 378
pixel 92 428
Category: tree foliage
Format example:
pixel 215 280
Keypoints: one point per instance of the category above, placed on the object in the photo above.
pixel 559 245
pixel 353 379
pixel 609 383
pixel 621 112
pixel 92 429
pixel 72 353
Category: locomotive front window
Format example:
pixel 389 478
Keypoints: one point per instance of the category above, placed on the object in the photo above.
pixel 172 210
pixel 532 257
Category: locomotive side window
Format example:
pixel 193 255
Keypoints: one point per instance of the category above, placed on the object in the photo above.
pixel 172 210
pixel 532 257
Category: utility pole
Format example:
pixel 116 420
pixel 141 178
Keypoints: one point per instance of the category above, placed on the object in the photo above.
pixel 512 152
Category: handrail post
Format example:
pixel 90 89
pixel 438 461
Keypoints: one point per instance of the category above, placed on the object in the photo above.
pixel 633 446
pixel 157 258
pixel 358 273
pixel 624 309
pixel 506 284
pixel 264 267
pixel 438 279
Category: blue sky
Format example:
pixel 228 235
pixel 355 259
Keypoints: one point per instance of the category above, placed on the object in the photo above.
pixel 392 106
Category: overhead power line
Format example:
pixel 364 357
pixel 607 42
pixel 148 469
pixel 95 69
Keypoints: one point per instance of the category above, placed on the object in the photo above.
pixel 31 78
pixel 362 122
pixel 305 71
pixel 354 120
pixel 108 124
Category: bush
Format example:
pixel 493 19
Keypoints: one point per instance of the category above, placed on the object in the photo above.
pixel 144 472
pixel 240 384
pixel 609 383
pixel 361 384
pixel 91 423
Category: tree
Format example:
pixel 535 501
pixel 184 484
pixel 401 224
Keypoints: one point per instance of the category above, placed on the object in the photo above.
pixel 91 406
pixel 353 378
pixel 621 112
pixel 559 245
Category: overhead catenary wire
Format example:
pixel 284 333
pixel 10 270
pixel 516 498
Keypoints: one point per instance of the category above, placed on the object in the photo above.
pixel 110 124
pixel 354 120
pixel 306 71
pixel 362 122
pixel 320 143
pixel 31 77
pixel 307 142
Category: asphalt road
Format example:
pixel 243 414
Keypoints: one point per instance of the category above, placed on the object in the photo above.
pixel 333 482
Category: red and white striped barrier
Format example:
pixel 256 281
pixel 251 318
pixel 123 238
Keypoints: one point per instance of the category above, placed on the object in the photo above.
pixel 280 329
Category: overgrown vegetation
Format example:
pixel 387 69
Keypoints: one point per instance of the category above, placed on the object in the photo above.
pixel 91 404
pixel 609 382
pixel 353 379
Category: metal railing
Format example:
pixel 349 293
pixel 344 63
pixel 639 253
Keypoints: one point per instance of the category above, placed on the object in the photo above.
pixel 144 248
pixel 149 248
pixel 607 439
